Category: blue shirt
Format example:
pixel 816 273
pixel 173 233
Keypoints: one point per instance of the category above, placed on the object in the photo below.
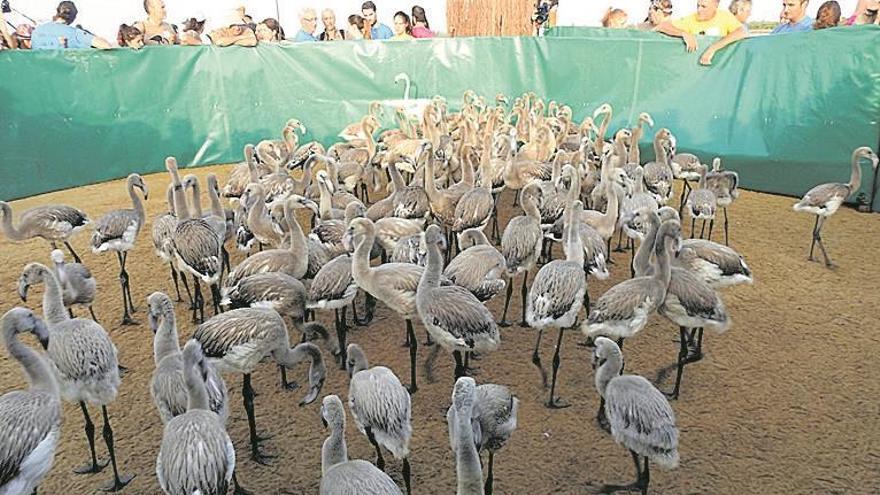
pixel 381 32
pixel 304 36
pixel 45 37
pixel 806 24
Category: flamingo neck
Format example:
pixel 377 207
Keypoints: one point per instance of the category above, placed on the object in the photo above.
pixel 8 228
pixel 37 370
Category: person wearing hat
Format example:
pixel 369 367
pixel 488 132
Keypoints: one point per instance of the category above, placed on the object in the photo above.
pixel 59 34
pixel 156 31
pixel 236 32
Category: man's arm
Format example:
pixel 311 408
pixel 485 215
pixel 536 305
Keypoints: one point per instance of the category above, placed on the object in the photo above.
pixel 101 43
pixel 706 58
pixel 669 29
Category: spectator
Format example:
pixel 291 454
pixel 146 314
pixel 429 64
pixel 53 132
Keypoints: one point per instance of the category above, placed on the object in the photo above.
pixel 794 12
pixel 421 28
pixel 23 36
pixel 193 32
pixel 269 31
pixel 828 15
pixel 742 10
pixel 308 21
pixel 7 40
pixel 331 33
pixel 378 31
pixel 154 28
pixel 659 12
pixel 402 27
pixel 60 34
pixel 130 37
pixel 865 13
pixel 236 32
pixel 708 20
pixel 614 18
pixel 356 29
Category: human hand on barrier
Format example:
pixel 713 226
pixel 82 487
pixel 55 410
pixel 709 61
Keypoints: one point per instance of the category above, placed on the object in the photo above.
pixel 690 41
pixel 708 55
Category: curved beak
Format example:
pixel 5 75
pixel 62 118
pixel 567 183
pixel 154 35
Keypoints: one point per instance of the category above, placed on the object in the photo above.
pixel 22 289
pixel 314 390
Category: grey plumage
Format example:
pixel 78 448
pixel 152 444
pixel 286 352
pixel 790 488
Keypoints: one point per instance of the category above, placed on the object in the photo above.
pixel 493 421
pixel 83 359
pixel 239 339
pixel 78 287
pixel 339 475
pixel 658 173
pixel 30 420
pixel 167 385
pixel 50 222
pixel 333 287
pixel 293 261
pixel 196 454
pixel 357 477
pixel 274 290
pixel 522 238
pixel 83 356
pixel 118 229
pixel 409 250
pixel 623 310
pixel 456 319
pixel 724 184
pixel 479 267
pixel 468 472
pixel 640 417
pixel 380 406
pixel 701 201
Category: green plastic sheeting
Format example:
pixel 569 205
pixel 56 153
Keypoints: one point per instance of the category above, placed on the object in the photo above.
pixel 785 111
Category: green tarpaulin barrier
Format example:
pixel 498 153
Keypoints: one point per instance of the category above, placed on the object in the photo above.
pixel 785 111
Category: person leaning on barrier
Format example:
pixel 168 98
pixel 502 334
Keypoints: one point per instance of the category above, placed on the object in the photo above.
pixel 23 35
pixel 378 31
pixel 269 31
pixel 708 20
pixel 156 31
pixel 865 13
pixel 308 21
pixel 402 27
pixel 7 40
pixel 130 37
pixel 331 32
pixel 794 15
pixel 192 32
pixel 659 12
pixel 59 34
pixel 357 29
pixel 827 16
pixel 421 28
pixel 614 18
pixel 236 32
pixel 742 10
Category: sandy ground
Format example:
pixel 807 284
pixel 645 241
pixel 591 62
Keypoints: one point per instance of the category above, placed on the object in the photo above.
pixel 784 402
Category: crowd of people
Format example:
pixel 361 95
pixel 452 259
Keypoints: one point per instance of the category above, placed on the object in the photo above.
pixel 239 29
pixel 731 24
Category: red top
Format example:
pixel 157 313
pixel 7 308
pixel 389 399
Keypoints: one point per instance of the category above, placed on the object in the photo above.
pixel 422 32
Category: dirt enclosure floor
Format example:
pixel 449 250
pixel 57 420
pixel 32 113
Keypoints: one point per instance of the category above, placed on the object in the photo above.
pixel 784 402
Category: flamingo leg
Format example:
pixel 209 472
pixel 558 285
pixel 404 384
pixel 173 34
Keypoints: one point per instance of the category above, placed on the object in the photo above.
pixel 95 466
pixel 504 322
pixel 118 482
pixel 639 485
pixel 815 236
pixel 552 401
pixel 726 240
pixel 818 237
pixel 123 281
pixel 524 292
pixel 490 478
pixel 536 358
pixel 413 351
pixel 72 252
pixel 380 461
pixel 247 393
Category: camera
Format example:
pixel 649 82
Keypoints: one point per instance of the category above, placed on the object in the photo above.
pixel 4 6
pixel 542 12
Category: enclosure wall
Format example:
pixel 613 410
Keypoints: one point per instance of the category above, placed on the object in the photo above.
pixel 785 111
